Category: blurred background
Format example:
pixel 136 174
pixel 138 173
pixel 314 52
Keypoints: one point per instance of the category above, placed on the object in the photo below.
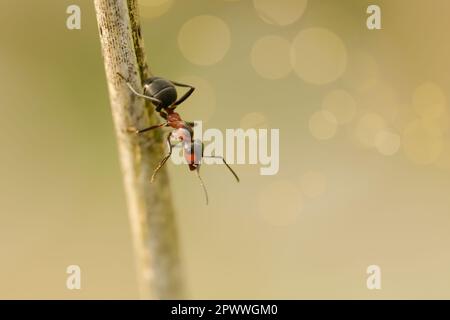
pixel 364 149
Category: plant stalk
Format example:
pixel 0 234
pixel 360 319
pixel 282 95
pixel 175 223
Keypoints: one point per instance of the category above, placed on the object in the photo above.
pixel 150 205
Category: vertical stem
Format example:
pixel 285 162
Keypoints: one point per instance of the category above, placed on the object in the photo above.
pixel 138 41
pixel 150 205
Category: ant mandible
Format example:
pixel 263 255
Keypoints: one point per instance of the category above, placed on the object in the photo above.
pixel 163 94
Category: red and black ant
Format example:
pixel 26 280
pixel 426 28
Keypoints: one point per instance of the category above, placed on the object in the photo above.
pixel 163 94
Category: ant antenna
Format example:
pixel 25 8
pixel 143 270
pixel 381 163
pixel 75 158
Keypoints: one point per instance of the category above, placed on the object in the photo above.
pixel 202 184
pixel 229 168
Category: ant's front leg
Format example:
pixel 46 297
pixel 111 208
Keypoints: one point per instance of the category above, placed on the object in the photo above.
pixel 225 163
pixel 164 160
pixel 202 184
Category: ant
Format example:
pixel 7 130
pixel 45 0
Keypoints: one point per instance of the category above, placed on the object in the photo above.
pixel 163 94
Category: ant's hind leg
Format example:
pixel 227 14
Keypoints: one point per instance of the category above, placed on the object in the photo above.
pixel 185 96
pixel 152 99
pixel 156 126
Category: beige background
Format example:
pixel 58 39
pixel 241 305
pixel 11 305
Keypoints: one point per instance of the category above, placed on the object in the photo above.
pixel 365 152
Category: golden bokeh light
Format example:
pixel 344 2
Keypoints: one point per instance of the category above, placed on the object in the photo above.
pixel 387 142
pixel 367 128
pixel 202 103
pixel 285 211
pixel 281 12
pixel 256 120
pixel 421 144
pixel 443 161
pixel 438 126
pixel 313 184
pixel 204 40
pixel 154 8
pixel 323 125
pixel 429 100
pixel 270 57
pixel 341 104
pixel 318 56
pixel 382 99
pixel 362 72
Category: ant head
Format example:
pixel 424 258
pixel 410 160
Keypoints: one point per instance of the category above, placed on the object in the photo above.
pixel 193 152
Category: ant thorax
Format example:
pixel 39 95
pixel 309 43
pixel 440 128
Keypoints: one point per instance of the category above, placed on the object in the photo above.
pixel 174 120
pixel 173 117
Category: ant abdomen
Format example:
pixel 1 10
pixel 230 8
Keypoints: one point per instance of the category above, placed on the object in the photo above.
pixel 162 90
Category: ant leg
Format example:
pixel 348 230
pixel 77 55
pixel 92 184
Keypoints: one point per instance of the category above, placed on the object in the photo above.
pixel 202 184
pixel 163 114
pixel 223 159
pixel 156 126
pixel 164 160
pixel 152 99
pixel 185 96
